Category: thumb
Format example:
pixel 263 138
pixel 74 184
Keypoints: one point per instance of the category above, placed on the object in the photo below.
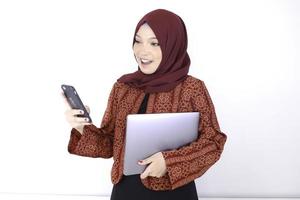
pixel 87 108
pixel 145 161
pixel 146 173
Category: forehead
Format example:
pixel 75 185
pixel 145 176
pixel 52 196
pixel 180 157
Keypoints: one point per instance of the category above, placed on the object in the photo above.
pixel 145 31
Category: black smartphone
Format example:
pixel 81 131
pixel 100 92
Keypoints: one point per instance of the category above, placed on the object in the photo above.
pixel 74 100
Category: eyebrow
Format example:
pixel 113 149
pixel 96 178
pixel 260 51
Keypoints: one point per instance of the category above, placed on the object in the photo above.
pixel 149 38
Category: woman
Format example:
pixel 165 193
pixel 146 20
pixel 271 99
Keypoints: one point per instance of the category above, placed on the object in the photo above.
pixel 161 84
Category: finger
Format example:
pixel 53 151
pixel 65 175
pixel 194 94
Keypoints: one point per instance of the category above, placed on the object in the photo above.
pixel 73 114
pixel 77 112
pixel 87 108
pixel 146 173
pixel 86 123
pixel 81 119
pixel 147 160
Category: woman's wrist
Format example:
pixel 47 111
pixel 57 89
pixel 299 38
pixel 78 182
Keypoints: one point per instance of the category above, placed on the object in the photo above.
pixel 80 129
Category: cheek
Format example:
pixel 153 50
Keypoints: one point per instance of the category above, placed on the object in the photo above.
pixel 135 55
pixel 134 49
pixel 158 55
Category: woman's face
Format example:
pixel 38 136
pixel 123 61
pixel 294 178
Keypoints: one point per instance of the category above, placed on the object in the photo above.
pixel 147 50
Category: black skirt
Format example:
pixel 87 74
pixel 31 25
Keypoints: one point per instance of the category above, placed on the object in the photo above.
pixel 132 188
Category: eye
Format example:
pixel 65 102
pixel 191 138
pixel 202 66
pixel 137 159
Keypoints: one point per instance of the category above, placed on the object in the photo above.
pixel 155 44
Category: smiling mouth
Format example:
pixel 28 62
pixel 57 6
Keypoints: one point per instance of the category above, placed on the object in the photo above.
pixel 145 61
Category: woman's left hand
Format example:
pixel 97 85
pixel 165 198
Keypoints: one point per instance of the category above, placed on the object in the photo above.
pixel 157 167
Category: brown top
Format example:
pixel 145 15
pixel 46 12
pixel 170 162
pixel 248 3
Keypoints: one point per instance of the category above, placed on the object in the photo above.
pixel 183 164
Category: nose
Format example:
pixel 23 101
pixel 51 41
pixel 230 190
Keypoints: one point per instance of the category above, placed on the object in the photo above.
pixel 144 49
pixel 143 54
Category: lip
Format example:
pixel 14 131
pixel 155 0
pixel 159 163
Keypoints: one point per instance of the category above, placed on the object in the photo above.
pixel 143 58
pixel 145 65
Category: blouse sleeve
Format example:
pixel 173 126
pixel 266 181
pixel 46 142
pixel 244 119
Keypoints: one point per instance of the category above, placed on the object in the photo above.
pixel 96 142
pixel 189 162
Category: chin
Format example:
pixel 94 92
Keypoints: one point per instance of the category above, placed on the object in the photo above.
pixel 144 72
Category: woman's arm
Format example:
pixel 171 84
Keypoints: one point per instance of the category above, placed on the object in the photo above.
pixel 96 142
pixel 190 162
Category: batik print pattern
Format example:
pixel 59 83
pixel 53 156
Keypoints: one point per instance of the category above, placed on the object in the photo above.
pixel 183 164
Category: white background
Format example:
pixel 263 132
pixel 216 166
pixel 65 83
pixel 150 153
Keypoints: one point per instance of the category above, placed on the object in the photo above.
pixel 247 53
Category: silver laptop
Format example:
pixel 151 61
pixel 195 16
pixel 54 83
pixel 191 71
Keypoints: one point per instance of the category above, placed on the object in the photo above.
pixel 147 134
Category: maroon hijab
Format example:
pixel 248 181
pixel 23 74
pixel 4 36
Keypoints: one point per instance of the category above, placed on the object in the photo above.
pixel 171 33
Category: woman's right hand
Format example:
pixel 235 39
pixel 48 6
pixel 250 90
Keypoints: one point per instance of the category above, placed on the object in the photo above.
pixel 71 116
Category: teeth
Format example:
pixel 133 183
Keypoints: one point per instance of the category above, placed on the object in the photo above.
pixel 145 60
